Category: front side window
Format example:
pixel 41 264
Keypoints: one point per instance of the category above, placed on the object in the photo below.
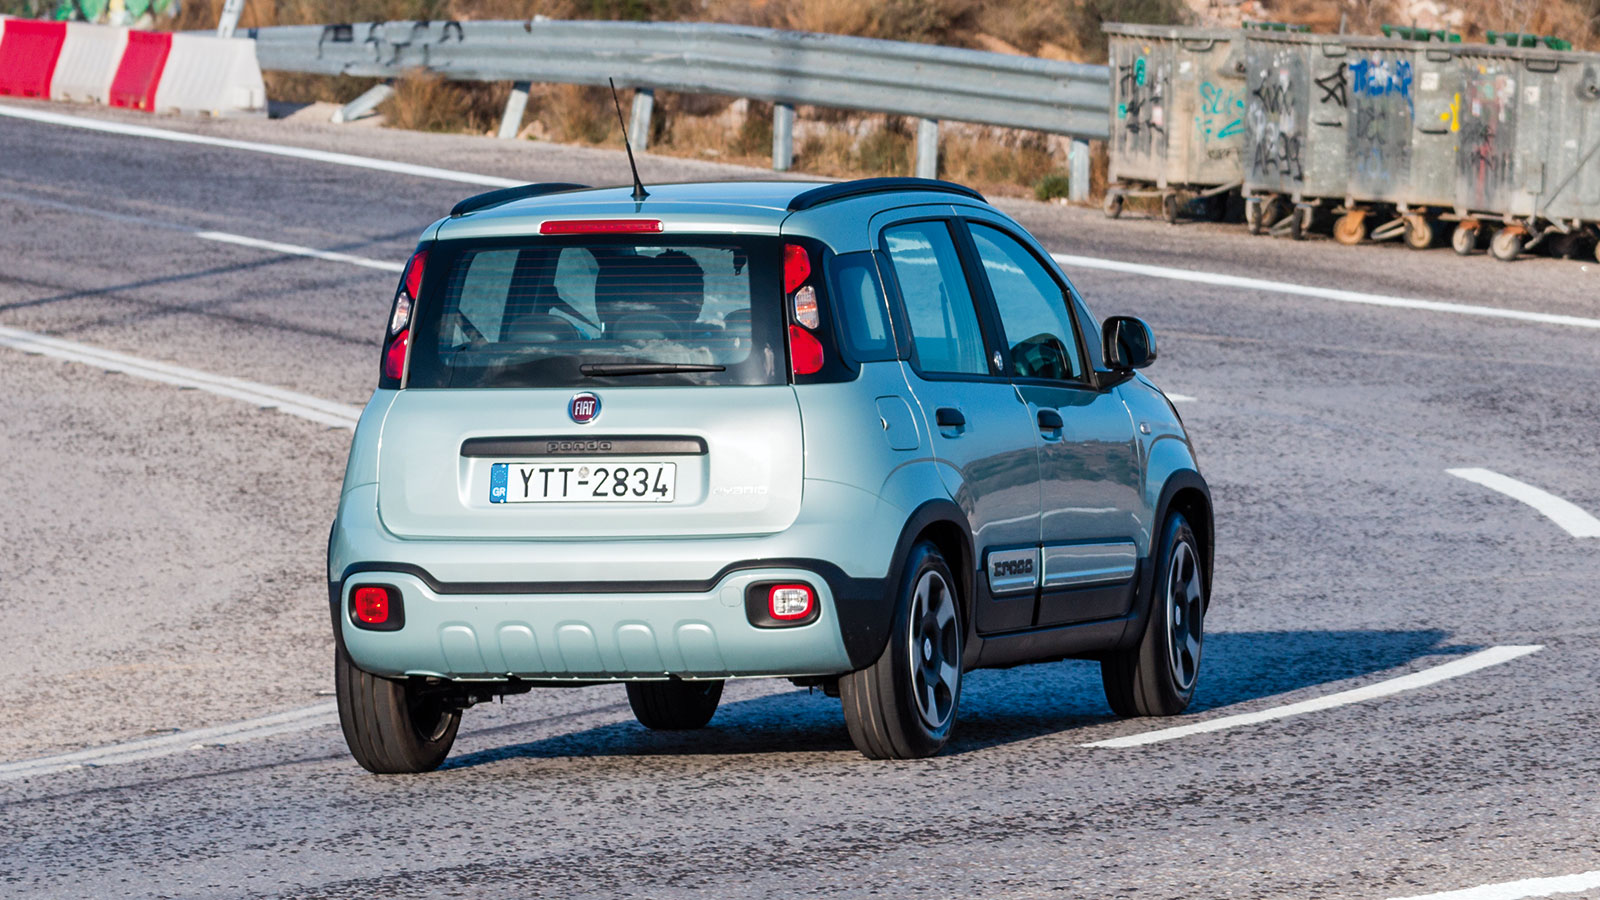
pixel 945 336
pixel 1032 306
pixel 569 313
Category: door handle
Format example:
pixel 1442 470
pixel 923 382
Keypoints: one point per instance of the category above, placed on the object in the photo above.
pixel 1050 420
pixel 949 417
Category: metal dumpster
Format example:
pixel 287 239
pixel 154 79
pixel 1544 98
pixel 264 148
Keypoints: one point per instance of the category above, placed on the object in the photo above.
pixel 1529 157
pixel 1177 113
pixel 1399 150
pixel 1295 127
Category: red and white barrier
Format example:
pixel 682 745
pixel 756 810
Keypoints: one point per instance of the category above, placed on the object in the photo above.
pixel 144 70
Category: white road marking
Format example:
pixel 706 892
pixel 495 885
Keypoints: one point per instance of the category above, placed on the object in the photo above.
pixel 180 742
pixel 1483 659
pixel 1179 398
pixel 1306 290
pixel 1066 259
pixel 324 156
pixel 296 250
pixel 1516 890
pixel 1578 523
pixel 325 412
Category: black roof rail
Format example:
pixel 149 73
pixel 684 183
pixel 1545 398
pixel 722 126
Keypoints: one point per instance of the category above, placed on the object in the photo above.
pixel 506 195
pixel 831 192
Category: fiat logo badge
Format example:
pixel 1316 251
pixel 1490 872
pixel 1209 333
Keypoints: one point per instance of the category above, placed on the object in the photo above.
pixel 583 408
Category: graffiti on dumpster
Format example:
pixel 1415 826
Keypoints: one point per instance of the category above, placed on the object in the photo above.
pixel 1141 105
pixel 1381 112
pixel 1275 119
pixel 1488 139
pixel 1333 87
pixel 1221 113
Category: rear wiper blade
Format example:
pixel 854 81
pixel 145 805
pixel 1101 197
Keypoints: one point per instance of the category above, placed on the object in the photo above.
pixel 601 369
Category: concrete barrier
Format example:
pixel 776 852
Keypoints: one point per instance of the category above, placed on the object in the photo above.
pixel 206 74
pixel 88 63
pixel 28 54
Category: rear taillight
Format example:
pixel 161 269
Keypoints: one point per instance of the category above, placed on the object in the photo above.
pixel 398 337
pixel 394 356
pixel 805 351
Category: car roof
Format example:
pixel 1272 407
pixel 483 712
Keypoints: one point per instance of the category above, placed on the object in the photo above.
pixel 752 206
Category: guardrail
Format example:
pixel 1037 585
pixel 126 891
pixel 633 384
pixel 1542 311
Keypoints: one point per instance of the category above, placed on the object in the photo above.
pixel 785 68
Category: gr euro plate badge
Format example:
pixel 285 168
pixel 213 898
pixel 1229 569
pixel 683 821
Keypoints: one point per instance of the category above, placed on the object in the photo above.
pixel 583 481
pixel 1013 571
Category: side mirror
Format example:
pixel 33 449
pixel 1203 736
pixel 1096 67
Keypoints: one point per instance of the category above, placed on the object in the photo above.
pixel 1128 343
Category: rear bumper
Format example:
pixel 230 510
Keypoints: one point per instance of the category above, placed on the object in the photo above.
pixel 603 635
pixel 620 609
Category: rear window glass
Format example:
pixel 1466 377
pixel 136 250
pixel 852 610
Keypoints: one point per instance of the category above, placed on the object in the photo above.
pixel 528 313
pixel 858 296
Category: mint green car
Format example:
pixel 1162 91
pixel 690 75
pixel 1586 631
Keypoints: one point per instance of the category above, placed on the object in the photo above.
pixel 863 436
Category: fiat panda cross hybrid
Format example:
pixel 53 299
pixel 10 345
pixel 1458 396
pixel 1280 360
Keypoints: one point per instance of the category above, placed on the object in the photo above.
pixel 862 436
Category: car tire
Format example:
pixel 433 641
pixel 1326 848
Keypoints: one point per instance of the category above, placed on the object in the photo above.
pixel 391 726
pixel 674 705
pixel 903 706
pixel 1158 676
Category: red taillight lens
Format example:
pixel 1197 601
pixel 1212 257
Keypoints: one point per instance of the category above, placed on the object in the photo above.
pixel 394 356
pixel 371 605
pixel 414 273
pixel 805 352
pixel 602 226
pixel 788 602
pixel 796 267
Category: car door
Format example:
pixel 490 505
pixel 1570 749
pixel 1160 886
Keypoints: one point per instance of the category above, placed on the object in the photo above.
pixel 982 430
pixel 1088 454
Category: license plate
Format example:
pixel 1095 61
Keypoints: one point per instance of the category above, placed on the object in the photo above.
pixel 582 481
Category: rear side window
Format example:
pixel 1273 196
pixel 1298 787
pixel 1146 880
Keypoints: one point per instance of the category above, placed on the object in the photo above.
pixel 945 336
pixel 864 316
pixel 564 313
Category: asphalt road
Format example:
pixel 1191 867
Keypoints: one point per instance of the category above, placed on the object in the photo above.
pixel 161 555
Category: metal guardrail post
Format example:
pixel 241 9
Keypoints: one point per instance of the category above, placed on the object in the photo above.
pixel 363 104
pixel 644 103
pixel 927 148
pixel 782 137
pixel 228 22
pixel 1078 172
pixel 516 105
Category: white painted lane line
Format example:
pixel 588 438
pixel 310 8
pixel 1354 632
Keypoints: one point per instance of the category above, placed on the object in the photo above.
pixel 1306 290
pixel 296 250
pixel 1178 398
pixel 218 236
pixel 323 156
pixel 1517 890
pixel 293 720
pixel 1577 523
pixel 305 406
pixel 1483 659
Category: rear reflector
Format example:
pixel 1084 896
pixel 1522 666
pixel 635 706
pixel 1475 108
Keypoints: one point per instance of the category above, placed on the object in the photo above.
pixel 787 602
pixel 602 226
pixel 394 356
pixel 805 352
pixel 796 267
pixel 371 605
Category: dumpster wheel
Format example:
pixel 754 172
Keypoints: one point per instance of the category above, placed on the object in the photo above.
pixel 1464 239
pixel 1112 205
pixel 1507 243
pixel 1351 228
pixel 1169 208
pixel 1419 231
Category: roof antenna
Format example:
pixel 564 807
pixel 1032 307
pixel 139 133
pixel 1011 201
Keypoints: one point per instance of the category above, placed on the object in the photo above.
pixel 639 192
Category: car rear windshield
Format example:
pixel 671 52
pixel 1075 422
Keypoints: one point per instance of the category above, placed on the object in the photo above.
pixel 531 312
